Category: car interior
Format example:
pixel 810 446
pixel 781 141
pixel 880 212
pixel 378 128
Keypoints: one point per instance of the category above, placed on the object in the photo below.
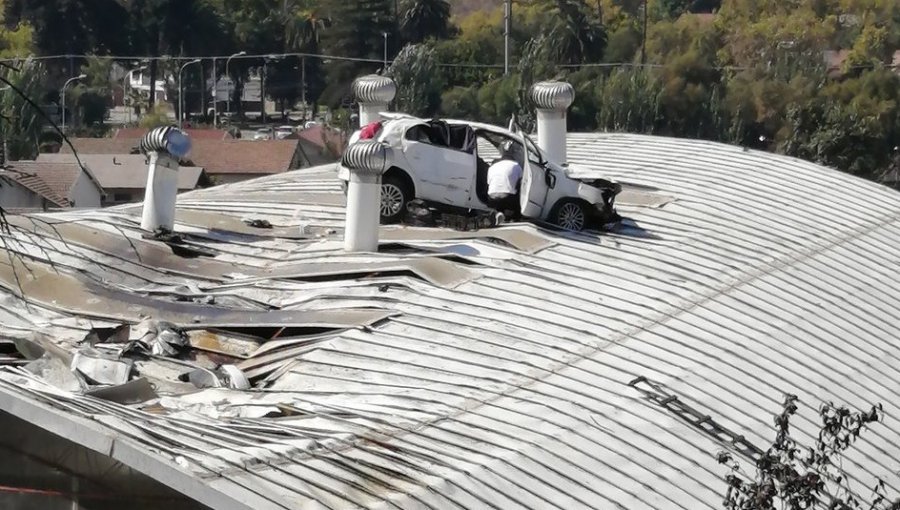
pixel 464 138
pixel 489 145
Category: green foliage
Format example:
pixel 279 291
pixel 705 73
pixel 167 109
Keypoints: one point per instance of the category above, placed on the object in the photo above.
pixel 424 19
pixel 414 70
pixel 357 30
pixel 155 118
pixel 20 123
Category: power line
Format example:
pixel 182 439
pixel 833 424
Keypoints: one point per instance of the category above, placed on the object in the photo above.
pixel 178 58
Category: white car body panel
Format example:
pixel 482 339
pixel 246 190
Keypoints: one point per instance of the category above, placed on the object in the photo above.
pixel 446 175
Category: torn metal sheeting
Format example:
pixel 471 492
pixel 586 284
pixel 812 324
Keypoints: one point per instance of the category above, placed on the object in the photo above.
pixel 135 250
pixel 136 391
pixel 222 342
pixel 227 223
pixel 101 369
pixel 509 390
pixel 38 283
pixel 522 238
pixel 434 270
pixel 56 372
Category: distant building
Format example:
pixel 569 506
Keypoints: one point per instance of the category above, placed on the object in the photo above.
pixel 22 191
pixel 68 184
pixel 224 161
pixel 124 176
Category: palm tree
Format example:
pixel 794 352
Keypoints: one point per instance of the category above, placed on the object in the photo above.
pixel 577 36
pixel 423 19
pixel 302 25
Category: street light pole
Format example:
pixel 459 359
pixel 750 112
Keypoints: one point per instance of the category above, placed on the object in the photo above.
pixel 507 15
pixel 215 95
pixel 262 92
pixel 227 62
pixel 66 84
pixel 385 34
pixel 644 37
pixel 181 90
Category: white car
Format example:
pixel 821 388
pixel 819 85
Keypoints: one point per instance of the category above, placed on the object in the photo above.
pixel 446 162
pixel 282 132
pixel 263 134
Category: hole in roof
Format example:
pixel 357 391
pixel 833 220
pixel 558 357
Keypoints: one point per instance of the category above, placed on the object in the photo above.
pixel 358 275
pixel 271 332
pixel 458 253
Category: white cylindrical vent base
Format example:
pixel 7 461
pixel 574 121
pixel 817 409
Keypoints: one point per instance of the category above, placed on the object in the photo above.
pixel 370 112
pixel 363 208
pixel 551 131
pixel 162 189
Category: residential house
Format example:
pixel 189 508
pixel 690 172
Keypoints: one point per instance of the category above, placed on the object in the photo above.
pixel 70 185
pixel 321 144
pixel 224 161
pixel 124 176
pixel 22 191
pixel 195 134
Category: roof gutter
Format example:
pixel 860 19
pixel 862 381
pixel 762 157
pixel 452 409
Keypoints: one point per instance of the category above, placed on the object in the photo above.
pixel 96 437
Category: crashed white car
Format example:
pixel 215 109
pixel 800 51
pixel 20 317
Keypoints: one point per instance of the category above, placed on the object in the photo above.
pixel 446 162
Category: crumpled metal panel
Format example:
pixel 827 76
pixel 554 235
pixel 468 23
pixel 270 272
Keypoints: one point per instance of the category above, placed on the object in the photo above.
pixel 510 388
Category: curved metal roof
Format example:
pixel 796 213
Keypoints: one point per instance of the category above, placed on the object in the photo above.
pixel 539 372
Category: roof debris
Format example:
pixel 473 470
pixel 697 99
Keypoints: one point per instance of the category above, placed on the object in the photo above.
pixel 476 369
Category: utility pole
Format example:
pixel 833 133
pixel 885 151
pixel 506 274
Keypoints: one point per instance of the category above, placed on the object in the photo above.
pixel 644 37
pixel 507 14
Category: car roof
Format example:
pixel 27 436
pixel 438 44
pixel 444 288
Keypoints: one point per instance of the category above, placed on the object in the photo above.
pixel 404 120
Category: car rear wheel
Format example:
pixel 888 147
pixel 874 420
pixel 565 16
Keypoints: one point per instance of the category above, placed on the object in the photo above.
pixel 395 195
pixel 571 215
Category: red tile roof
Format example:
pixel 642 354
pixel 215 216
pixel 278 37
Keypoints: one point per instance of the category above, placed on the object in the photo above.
pixel 233 156
pixel 102 145
pixel 195 134
pixel 53 181
pixel 327 139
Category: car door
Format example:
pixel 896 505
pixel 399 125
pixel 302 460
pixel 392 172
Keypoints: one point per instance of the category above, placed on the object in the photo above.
pixel 444 174
pixel 533 193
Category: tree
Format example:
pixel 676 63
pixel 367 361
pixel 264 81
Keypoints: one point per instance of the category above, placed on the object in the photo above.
pixel 790 476
pixel 424 19
pixel 414 70
pixel 92 95
pixel 577 36
pixel 357 31
pixel 20 123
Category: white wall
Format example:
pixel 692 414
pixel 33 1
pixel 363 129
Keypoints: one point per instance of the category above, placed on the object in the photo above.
pixel 84 193
pixel 14 195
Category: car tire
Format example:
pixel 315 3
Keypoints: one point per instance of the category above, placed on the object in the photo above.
pixel 395 195
pixel 572 215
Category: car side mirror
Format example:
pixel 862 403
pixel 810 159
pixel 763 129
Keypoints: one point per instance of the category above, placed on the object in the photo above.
pixel 550 179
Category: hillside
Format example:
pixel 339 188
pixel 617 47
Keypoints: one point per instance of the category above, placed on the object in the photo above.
pixel 466 7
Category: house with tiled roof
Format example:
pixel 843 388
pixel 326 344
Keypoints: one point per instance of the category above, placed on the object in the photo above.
pixel 124 176
pixel 224 161
pixel 59 184
pixel 20 191
pixel 195 134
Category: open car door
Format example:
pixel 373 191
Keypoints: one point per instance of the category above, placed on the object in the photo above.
pixel 534 188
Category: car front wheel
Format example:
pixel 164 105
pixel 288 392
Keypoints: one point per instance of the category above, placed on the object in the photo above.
pixel 394 197
pixel 571 215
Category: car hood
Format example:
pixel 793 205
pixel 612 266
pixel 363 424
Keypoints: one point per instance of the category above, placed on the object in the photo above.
pixel 572 171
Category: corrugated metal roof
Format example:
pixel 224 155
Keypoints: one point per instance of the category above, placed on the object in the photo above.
pixel 758 275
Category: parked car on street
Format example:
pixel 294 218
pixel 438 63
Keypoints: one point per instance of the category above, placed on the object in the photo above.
pixel 445 162
pixel 282 132
pixel 263 134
